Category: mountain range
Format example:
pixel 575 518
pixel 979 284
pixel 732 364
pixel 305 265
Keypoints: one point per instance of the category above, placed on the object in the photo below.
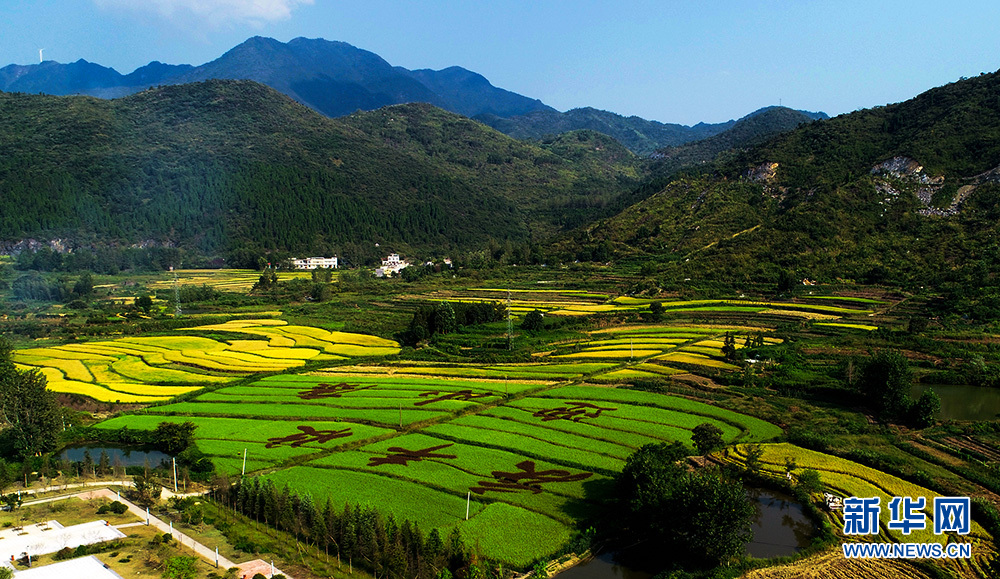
pixel 907 194
pixel 337 79
pixel 221 165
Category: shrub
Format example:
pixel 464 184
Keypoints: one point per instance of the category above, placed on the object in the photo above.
pixel 116 507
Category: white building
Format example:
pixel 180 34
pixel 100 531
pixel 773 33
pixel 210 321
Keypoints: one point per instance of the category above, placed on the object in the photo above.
pixel 315 263
pixel 390 266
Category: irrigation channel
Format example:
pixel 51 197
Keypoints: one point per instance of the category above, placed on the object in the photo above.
pixel 780 529
pixel 962 401
pixel 121 456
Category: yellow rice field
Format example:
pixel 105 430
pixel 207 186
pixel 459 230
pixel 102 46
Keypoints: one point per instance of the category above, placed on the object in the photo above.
pixel 148 369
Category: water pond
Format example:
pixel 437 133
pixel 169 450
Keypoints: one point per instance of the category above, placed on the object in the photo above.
pixel 781 528
pixel 963 402
pixel 120 456
pixel 604 567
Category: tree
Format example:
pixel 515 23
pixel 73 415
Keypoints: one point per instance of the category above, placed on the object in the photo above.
pixel 713 517
pixel 27 407
pixel 533 321
pixel 729 346
pixel 752 461
pixel 809 481
pixel 444 318
pixel 924 411
pixel 698 518
pixel 174 437
pixel 145 490
pixel 707 437
pixel 144 303
pixel 885 382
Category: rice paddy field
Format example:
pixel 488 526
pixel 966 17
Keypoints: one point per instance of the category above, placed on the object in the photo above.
pixel 659 350
pixel 525 449
pixel 152 369
pixel 518 451
pixel 846 478
pixel 567 302
pixel 228 280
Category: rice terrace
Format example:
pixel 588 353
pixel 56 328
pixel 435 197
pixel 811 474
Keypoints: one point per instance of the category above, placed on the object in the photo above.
pixel 504 437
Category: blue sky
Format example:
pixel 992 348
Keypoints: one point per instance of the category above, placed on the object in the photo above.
pixel 667 60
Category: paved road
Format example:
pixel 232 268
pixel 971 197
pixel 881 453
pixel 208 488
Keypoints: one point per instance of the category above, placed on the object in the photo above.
pixel 105 493
pixel 186 541
pixel 154 521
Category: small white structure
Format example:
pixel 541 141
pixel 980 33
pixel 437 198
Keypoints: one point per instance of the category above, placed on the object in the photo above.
pixel 391 265
pixel 49 537
pixel 315 263
pixel 82 568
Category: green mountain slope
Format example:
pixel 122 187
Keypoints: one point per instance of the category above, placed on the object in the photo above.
pixel 905 194
pixel 639 135
pixel 747 132
pixel 222 166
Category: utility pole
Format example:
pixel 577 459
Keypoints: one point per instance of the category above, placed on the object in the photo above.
pixel 510 326
pixel 177 294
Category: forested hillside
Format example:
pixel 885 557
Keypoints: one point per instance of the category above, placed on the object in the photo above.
pixel 233 167
pixel 904 194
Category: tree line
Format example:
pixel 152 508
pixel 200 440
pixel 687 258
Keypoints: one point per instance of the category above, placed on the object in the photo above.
pixel 359 535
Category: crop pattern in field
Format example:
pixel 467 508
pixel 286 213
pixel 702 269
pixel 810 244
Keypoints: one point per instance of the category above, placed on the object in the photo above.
pixel 427 447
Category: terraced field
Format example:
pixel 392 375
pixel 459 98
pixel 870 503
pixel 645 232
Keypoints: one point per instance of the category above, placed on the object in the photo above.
pixel 227 280
pixel 665 350
pixel 850 479
pixel 566 302
pixel 151 369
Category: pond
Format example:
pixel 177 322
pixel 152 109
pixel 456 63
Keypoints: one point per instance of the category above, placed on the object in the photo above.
pixel 120 456
pixel 781 527
pixel 603 567
pixel 963 402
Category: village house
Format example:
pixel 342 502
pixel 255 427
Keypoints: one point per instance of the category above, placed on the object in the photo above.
pixel 315 263
pixel 391 265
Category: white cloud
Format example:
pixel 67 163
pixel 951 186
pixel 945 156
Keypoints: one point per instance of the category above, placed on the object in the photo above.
pixel 214 12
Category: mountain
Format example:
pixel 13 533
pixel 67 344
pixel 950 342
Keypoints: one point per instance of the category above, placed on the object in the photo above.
pixel 753 129
pixel 234 166
pixel 51 77
pixel 641 136
pixel 334 78
pixel 907 194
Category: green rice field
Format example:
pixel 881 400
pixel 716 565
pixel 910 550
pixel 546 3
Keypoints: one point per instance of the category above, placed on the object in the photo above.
pixel 424 447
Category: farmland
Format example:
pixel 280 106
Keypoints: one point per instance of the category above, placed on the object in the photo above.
pixel 528 432
pixel 443 439
pixel 150 369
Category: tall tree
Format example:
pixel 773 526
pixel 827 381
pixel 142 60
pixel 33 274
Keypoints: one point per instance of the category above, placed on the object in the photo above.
pixel 885 381
pixel 699 518
pixel 30 412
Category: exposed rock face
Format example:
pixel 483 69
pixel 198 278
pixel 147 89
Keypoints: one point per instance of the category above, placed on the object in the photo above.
pixel 900 175
pixel 764 173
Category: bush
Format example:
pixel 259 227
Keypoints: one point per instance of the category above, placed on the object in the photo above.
pixel 115 507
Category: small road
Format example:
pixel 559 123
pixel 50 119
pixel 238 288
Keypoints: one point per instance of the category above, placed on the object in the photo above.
pixel 105 493
pixel 154 521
